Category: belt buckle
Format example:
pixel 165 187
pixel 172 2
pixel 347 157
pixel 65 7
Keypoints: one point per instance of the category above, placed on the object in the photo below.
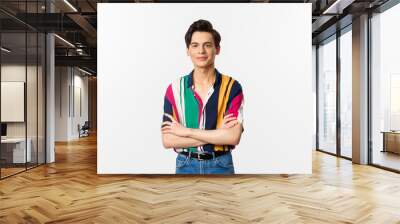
pixel 198 156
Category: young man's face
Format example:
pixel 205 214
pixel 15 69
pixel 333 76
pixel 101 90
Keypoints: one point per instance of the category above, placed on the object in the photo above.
pixel 202 49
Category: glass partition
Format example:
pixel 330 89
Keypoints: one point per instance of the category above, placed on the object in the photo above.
pixel 22 77
pixel 385 89
pixel 32 95
pixel 13 109
pixel 327 96
pixel 41 91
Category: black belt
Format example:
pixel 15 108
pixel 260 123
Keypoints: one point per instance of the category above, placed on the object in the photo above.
pixel 204 156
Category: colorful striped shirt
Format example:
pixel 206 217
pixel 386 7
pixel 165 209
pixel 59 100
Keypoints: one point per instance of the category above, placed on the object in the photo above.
pixel 186 106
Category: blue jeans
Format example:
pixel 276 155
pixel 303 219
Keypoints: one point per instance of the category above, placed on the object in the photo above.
pixel 218 165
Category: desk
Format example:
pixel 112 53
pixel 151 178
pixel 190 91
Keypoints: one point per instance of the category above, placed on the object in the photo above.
pixel 16 151
pixel 391 141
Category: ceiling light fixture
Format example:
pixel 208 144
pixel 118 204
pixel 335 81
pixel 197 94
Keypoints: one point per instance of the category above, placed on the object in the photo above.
pixel 70 5
pixel 65 41
pixel 337 7
pixel 79 51
pixel 86 72
pixel 5 50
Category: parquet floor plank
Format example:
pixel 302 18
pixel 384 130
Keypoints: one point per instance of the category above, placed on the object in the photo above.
pixel 70 191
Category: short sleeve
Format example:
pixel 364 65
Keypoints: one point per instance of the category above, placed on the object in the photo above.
pixel 236 101
pixel 167 105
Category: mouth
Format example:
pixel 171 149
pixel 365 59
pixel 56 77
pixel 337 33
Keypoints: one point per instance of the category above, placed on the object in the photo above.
pixel 201 58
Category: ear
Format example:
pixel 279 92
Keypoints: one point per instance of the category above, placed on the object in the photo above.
pixel 187 51
pixel 218 50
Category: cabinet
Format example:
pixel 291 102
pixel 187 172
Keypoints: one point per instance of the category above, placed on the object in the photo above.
pixel 391 141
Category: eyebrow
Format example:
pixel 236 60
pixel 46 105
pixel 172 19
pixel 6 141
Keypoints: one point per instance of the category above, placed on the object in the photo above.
pixel 203 43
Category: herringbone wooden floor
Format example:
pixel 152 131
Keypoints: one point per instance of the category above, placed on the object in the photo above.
pixel 70 191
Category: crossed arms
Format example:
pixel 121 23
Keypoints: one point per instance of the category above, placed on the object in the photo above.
pixel 174 135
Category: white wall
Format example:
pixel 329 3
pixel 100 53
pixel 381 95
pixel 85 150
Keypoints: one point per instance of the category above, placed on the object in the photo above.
pixel 272 61
pixel 314 90
pixel 16 72
pixel 68 82
pixel 61 103
pixel 79 117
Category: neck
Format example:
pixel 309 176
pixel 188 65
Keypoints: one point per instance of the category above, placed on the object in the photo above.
pixel 204 76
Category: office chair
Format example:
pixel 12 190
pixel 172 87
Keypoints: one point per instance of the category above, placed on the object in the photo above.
pixel 84 130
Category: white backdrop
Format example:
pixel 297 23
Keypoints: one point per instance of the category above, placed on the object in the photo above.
pixel 266 47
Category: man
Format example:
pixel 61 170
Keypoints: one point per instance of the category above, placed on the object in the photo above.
pixel 203 110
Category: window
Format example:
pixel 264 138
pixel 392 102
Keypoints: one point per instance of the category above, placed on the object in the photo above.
pixel 346 93
pixel 385 89
pixel 327 96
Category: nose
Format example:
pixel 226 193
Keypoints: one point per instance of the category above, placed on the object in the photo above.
pixel 202 50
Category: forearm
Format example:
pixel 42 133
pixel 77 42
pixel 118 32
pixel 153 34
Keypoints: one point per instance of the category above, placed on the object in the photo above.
pixel 174 141
pixel 223 136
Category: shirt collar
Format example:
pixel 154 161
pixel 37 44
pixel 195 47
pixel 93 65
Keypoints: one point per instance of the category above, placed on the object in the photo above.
pixel 216 83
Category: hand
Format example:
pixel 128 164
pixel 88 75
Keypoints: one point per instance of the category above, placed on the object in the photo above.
pixel 229 121
pixel 174 127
